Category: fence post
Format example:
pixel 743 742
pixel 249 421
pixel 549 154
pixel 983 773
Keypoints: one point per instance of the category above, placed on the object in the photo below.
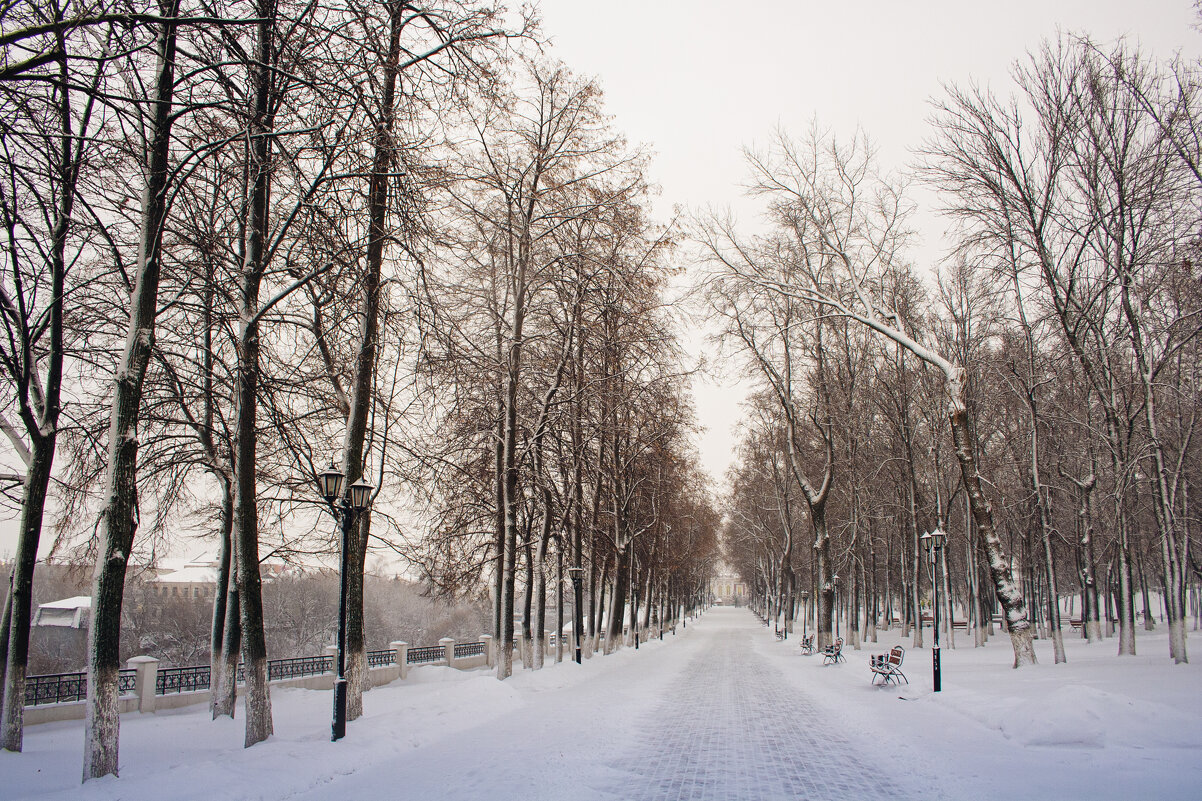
pixel 490 654
pixel 147 668
pixel 332 652
pixel 448 650
pixel 401 648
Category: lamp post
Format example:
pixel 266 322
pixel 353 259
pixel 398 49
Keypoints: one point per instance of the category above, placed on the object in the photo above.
pixel 575 572
pixel 346 510
pixel 835 602
pixel 805 611
pixel 932 541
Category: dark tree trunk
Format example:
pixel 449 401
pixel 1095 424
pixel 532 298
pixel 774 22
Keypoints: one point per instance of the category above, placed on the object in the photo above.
pixel 246 519
pixel 117 518
pixel 219 682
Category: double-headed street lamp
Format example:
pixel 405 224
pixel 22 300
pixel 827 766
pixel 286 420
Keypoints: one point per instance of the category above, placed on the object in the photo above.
pixel 575 574
pixel 932 541
pixel 346 510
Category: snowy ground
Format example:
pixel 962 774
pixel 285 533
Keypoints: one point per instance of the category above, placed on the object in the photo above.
pixel 721 711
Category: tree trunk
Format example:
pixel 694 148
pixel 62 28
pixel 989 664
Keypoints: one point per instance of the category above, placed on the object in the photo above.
pixel 826 593
pixel 117 518
pixel 353 461
pixel 20 595
pixel 220 699
pixel 1008 594
pixel 246 513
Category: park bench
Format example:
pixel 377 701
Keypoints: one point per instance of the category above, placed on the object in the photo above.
pixel 887 667
pixel 961 625
pixel 833 654
pixel 807 645
pixel 1075 623
pixel 780 634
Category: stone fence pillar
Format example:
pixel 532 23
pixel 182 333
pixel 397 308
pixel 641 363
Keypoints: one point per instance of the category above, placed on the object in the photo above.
pixel 401 650
pixel 490 649
pixel 448 650
pixel 147 668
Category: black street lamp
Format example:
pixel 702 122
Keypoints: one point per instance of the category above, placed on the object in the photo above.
pixel 835 602
pixel 932 541
pixel 346 510
pixel 805 612
pixel 575 574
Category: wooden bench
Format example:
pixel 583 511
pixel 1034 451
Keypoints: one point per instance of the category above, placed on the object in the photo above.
pixel 887 667
pixel 962 625
pixel 807 645
pixel 780 634
pixel 1075 623
pixel 833 654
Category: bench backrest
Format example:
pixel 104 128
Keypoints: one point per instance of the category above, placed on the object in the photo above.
pixel 896 654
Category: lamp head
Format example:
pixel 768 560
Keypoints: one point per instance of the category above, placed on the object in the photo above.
pixel 360 494
pixel 330 482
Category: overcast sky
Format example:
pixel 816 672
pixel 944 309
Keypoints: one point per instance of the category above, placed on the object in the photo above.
pixel 698 81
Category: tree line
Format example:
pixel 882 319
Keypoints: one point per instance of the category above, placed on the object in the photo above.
pixel 1058 342
pixel 244 235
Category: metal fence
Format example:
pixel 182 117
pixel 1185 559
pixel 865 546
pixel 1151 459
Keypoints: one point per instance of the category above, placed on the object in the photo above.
pixel 466 649
pixel 61 687
pixel 425 654
pixel 381 658
pixel 301 666
pixel 181 679
pixel 56 688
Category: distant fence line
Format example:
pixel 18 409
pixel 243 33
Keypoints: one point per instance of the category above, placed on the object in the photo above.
pixel 143 685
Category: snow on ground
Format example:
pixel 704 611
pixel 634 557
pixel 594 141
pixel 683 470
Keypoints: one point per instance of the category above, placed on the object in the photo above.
pixel 1096 727
pixel 721 710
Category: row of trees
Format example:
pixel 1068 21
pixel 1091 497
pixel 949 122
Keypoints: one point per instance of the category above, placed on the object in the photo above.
pixel 1063 333
pixel 240 232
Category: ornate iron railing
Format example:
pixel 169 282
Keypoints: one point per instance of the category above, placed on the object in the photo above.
pixel 60 687
pixel 425 654
pixel 301 666
pixel 55 688
pixel 182 679
pixel 381 658
pixel 466 649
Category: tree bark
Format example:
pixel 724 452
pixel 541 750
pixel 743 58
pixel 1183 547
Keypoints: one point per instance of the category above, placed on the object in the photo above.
pixel 246 520
pixel 117 523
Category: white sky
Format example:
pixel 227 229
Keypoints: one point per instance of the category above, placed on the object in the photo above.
pixel 698 81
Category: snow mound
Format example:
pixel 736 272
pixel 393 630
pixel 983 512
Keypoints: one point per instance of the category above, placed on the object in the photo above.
pixel 1079 716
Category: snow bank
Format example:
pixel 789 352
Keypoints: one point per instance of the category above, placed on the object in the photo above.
pixel 1098 727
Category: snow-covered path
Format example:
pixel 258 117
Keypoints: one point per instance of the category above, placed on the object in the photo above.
pixel 697 717
pixel 732 727
pixel 719 711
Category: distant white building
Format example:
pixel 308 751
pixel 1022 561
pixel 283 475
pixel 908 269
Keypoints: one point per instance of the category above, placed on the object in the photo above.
pixel 68 613
pixel 196 580
pixel 728 589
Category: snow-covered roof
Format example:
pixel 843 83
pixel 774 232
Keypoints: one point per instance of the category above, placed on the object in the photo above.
pixel 67 613
pixel 76 602
pixel 191 574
